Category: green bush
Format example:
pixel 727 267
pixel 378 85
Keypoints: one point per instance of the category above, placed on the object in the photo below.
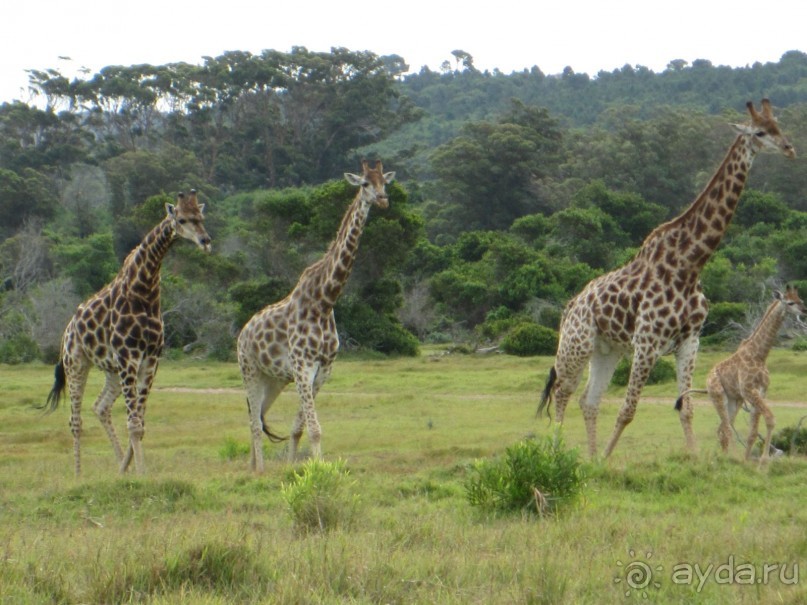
pixel 800 344
pixel 530 339
pixel 722 315
pixel 19 349
pixel 664 371
pixel 360 323
pixel 233 449
pixel 791 440
pixel 321 496
pixel 535 475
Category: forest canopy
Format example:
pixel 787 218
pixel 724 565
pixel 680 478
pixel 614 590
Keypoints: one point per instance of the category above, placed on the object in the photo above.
pixel 512 191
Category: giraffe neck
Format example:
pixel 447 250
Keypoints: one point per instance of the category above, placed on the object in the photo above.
pixel 325 279
pixel 764 335
pixel 141 269
pixel 687 242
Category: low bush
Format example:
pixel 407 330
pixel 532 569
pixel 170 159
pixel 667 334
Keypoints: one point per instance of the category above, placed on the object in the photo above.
pixel 530 339
pixel 536 475
pixel 791 440
pixel 664 371
pixel 321 496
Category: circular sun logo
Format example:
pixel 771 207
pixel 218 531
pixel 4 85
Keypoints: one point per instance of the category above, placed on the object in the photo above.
pixel 637 575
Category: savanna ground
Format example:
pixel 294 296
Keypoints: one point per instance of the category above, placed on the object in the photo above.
pixel 200 528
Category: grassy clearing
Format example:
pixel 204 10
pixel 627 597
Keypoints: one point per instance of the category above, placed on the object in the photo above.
pixel 199 528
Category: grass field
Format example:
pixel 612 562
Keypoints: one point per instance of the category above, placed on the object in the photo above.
pixel 200 528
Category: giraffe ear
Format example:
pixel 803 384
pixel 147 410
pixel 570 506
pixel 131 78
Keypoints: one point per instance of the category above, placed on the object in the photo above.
pixel 388 176
pixel 777 295
pixel 744 128
pixel 201 208
pixel 169 208
pixel 354 179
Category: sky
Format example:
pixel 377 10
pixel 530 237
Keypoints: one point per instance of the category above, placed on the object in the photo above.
pixel 587 35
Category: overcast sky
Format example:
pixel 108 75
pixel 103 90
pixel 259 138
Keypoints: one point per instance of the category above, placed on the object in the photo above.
pixel 588 35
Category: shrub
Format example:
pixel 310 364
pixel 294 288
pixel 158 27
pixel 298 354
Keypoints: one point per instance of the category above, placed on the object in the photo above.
pixel 21 348
pixel 233 449
pixel 722 315
pixel 791 440
pixel 536 475
pixel 664 371
pixel 800 344
pixel 530 339
pixel 320 496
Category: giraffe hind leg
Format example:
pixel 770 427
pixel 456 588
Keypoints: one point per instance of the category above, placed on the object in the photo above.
pixel 76 372
pixel 261 394
pixel 602 367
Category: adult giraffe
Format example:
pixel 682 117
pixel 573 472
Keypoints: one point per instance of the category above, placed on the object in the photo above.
pixel 654 304
pixel 120 331
pixel 295 339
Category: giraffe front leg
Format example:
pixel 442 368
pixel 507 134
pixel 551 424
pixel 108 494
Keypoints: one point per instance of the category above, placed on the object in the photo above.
pixel 685 358
pixel 644 358
pixel 761 409
pixel 103 409
pixel 305 378
pixel 296 434
pixel 136 383
pixel 752 433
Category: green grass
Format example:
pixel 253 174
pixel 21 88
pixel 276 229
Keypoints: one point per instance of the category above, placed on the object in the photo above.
pixel 200 528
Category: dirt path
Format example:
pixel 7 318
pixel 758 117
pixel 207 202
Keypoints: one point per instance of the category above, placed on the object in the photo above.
pixel 700 400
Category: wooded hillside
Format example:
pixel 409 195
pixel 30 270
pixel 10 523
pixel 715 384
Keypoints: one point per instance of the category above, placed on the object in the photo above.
pixel 512 191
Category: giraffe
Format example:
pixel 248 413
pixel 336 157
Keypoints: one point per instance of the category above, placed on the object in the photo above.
pixel 743 377
pixel 654 305
pixel 120 331
pixel 295 339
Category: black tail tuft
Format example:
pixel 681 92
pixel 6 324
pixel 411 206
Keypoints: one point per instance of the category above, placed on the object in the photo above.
pixel 272 437
pixel 678 403
pixel 55 395
pixel 546 396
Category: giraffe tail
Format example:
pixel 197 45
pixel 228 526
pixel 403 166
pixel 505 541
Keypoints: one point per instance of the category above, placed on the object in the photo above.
pixel 272 436
pixel 680 401
pixel 57 391
pixel 546 396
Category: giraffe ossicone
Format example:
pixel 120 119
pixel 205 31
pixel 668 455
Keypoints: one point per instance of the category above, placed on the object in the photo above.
pixel 295 339
pixel 743 377
pixel 120 331
pixel 653 305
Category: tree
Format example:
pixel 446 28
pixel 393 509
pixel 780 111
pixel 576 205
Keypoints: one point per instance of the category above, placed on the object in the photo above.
pixel 489 171
pixel 24 196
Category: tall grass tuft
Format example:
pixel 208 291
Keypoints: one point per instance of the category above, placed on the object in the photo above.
pixel 321 495
pixel 207 568
pixel 538 475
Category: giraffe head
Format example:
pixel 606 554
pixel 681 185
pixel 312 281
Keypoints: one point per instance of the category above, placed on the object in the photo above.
pixel 793 303
pixel 188 216
pixel 765 130
pixel 372 182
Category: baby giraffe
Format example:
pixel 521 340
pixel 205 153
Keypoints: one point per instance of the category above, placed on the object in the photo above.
pixel 744 377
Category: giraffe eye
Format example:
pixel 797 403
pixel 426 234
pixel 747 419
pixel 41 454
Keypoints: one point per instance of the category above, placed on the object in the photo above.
pixel 761 133
pixel 365 184
pixel 182 221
